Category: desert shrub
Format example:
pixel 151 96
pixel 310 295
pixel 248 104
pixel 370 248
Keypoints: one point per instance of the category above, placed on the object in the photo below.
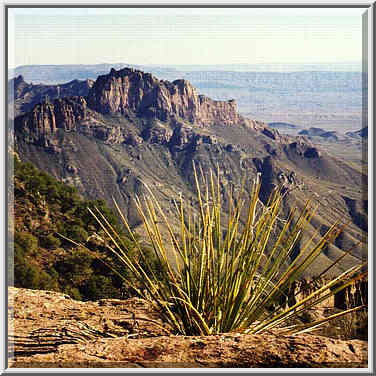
pixel 52 272
pixel 26 275
pixel 47 282
pixel 100 287
pixel 73 292
pixel 50 242
pixel 223 281
pixel 75 268
pixel 26 241
pixel 31 276
pixel 77 233
pixel 18 251
pixel 68 216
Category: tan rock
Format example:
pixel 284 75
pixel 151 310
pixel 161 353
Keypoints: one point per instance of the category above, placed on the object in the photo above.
pixel 132 90
pixel 49 329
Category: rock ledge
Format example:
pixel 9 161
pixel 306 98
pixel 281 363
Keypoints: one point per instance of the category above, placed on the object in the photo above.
pixel 49 329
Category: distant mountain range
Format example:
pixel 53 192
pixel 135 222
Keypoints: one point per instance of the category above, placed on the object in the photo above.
pixel 249 77
pixel 361 133
pixel 110 136
pixel 333 135
pixel 309 96
pixel 318 132
pixel 38 70
pixel 281 125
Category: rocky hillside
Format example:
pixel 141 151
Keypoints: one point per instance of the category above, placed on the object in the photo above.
pixel 132 129
pixel 44 214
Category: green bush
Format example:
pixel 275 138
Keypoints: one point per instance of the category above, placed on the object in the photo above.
pixel 100 287
pixel 77 233
pixel 31 276
pixel 18 251
pixel 72 292
pixel 50 242
pixel 53 273
pixel 26 241
pixel 26 275
pixel 75 268
pixel 78 273
pixel 47 282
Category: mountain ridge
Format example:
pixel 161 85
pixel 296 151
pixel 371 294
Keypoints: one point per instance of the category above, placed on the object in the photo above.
pixel 151 131
pixel 129 92
pixel 23 96
pixel 130 89
pixel 326 99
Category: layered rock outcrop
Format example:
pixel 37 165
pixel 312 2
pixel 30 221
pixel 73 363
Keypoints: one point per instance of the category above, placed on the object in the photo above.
pixel 17 87
pixel 23 96
pixel 132 90
pixel 120 91
pixel 49 329
pixel 47 117
pixel 131 93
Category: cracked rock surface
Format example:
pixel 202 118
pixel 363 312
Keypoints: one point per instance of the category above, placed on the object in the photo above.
pixel 49 329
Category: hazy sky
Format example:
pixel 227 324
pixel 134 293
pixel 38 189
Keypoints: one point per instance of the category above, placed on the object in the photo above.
pixel 184 36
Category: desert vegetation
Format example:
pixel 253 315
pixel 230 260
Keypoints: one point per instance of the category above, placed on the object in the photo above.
pixel 228 276
pixel 223 274
pixel 57 244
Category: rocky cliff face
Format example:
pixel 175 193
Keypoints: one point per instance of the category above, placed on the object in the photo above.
pixel 46 118
pixel 120 91
pixel 17 86
pixel 130 93
pixel 23 96
pixel 132 90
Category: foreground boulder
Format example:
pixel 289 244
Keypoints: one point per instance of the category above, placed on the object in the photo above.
pixel 48 329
